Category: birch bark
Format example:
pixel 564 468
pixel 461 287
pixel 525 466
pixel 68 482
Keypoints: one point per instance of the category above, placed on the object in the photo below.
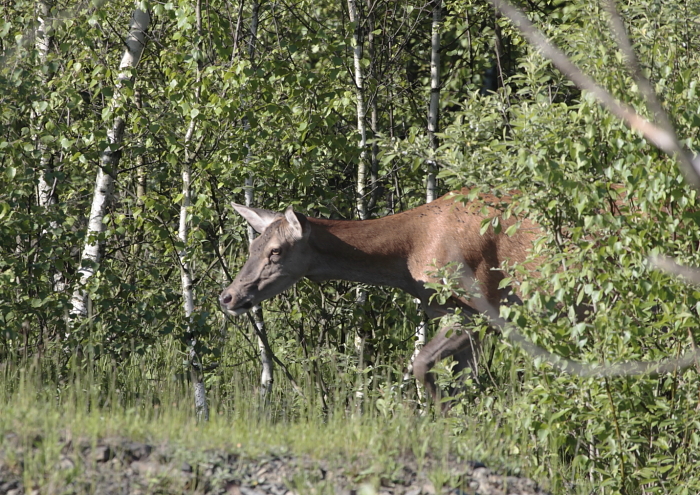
pixel 42 44
pixel 46 187
pixel 196 369
pixel 433 126
pixel 266 361
pixel 361 191
pixel 361 112
pixel 434 107
pixel 374 113
pixel 109 160
pixel 258 321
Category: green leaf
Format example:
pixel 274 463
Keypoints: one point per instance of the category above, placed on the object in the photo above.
pixel 485 224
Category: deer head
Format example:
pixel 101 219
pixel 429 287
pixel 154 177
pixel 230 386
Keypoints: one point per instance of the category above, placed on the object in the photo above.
pixel 279 258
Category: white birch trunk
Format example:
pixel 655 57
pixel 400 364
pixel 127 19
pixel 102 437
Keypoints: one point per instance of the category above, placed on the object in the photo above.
pixel 185 274
pixel 42 42
pixel 266 362
pixel 361 113
pixel 374 115
pixel 361 296
pixel 434 108
pixel 109 160
pixel 433 121
pixel 46 187
pixel 267 373
pixel 140 171
pixel 196 369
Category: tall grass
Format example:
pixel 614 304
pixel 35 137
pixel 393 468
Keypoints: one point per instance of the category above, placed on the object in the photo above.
pixel 365 418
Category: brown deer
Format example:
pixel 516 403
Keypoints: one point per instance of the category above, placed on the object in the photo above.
pixel 401 250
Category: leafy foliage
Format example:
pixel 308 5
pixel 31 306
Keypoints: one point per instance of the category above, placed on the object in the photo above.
pixel 606 199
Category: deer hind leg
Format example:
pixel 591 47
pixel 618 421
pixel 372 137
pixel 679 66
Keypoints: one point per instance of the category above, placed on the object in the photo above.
pixel 468 358
pixel 451 340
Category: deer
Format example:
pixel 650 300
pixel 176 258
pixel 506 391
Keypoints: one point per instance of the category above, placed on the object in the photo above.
pixel 401 251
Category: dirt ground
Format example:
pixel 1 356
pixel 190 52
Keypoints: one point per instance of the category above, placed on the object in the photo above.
pixel 121 466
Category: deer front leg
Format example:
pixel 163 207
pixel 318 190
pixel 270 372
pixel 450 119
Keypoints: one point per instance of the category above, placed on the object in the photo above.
pixel 461 343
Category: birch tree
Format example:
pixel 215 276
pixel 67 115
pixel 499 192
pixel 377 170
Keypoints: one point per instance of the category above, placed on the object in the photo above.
pixel 434 106
pixel 361 110
pixel 257 319
pixel 195 364
pixel 433 121
pixel 46 187
pixel 109 160
pixel 42 43
pixel 374 110
pixel 361 193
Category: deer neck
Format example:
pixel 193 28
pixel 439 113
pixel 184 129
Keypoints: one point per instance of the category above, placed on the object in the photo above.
pixel 365 251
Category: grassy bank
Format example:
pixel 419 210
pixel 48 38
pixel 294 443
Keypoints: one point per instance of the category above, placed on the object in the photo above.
pixel 369 436
pixel 570 434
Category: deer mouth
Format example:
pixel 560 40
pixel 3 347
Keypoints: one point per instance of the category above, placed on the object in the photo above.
pixel 241 308
pixel 226 301
pixel 245 306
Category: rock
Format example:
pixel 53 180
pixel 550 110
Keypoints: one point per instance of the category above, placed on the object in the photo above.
pixel 102 453
pixel 233 490
pixel 9 486
pixel 137 451
pixel 64 464
pixel 490 483
pixel 145 468
pixel 366 489
pixel 250 491
pixel 428 489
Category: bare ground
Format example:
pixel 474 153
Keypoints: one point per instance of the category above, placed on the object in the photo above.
pixel 121 466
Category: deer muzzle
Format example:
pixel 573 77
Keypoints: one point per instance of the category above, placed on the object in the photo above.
pixel 234 306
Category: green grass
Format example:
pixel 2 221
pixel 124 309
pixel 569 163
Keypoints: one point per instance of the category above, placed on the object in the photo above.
pixel 145 400
pixel 520 420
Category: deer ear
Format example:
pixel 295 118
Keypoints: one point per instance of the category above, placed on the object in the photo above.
pixel 297 223
pixel 258 218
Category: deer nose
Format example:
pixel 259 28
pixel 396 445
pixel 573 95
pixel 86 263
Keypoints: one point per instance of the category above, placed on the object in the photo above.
pixel 226 299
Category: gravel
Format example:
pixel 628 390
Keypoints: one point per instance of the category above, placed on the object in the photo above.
pixel 122 466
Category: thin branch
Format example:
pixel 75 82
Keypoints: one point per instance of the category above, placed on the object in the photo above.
pixel 663 139
pixel 263 338
pixel 668 265
pixel 625 45
pixel 511 332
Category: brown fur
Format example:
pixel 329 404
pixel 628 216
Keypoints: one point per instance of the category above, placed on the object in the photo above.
pixel 400 251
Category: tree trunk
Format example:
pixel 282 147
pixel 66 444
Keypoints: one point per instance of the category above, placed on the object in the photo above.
pixel 267 374
pixel 43 41
pixel 195 363
pixel 357 42
pixel 140 162
pixel 109 161
pixel 46 186
pixel 374 115
pixel 361 112
pixel 434 108
pixel 433 126
pixel 266 358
